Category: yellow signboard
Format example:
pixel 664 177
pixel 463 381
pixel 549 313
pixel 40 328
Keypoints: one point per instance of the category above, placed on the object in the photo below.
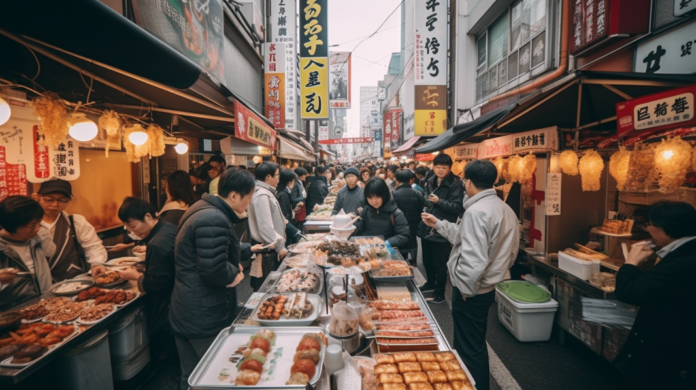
pixel 314 88
pixel 430 122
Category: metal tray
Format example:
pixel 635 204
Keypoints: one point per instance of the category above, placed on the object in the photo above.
pixel 392 278
pixel 314 299
pixel 6 362
pixel 86 283
pixel 317 288
pixel 111 285
pixel 206 373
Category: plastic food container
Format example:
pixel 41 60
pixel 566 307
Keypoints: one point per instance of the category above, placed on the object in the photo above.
pixel 526 310
pixel 582 269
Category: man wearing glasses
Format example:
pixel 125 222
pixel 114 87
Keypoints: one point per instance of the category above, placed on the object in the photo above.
pixel 77 243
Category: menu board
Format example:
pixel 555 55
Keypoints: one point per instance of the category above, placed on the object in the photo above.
pixel 553 194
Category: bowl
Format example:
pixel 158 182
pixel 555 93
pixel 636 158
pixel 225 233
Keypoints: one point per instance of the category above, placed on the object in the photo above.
pixel 10 321
pixel 342 221
pixel 342 233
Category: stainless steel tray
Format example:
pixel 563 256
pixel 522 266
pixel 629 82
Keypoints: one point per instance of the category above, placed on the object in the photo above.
pixel 313 298
pixel 86 283
pixel 315 290
pixel 230 339
pixel 392 278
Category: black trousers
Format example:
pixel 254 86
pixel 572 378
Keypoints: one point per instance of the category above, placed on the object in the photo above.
pixel 470 318
pixel 269 262
pixel 435 256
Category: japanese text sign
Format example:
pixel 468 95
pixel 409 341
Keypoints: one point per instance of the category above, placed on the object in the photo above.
pixel 282 26
pixel 542 139
pixel 682 7
pixel 496 147
pixel 339 78
pixel 274 83
pixel 249 127
pixel 553 194
pixel 671 52
pixel 590 19
pixel 340 141
pixel 658 111
pixel 314 61
pixel 465 152
pixel 425 157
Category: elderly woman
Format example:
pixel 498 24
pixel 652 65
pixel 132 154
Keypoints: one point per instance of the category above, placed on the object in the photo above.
pixel 660 352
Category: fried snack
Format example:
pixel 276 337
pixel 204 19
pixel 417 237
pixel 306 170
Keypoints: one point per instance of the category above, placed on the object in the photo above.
pixel 455 375
pixel 90 293
pixel 260 343
pixel 430 366
pixel 298 378
pixel 308 344
pixel 459 385
pixel 425 357
pixel 420 386
pixel 412 377
pixel 10 350
pixel 66 313
pixel 384 359
pixel 251 364
pixel 392 305
pixel 34 312
pixel 304 366
pixel 28 354
pixel 247 378
pixel 390 378
pixel 391 386
pixel 409 367
pixel 97 312
pixel 386 369
pixel 403 327
pixel 444 356
pixel 407 341
pixel 108 277
pixel 436 376
pixel 386 314
pixel 450 365
pixel 443 386
pixel 311 354
pixel 404 357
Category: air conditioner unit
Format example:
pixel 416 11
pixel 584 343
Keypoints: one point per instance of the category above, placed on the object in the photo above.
pixel 253 16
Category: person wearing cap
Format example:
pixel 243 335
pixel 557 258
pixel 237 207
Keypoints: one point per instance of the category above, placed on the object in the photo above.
pixel 351 197
pixel 78 248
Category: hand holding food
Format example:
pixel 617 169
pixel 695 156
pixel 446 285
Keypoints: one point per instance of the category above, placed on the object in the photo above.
pixel 130 273
pixel 7 275
pixel 98 270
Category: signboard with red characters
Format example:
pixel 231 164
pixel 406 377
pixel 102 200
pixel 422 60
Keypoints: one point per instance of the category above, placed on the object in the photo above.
pixel 13 178
pixel 660 111
pixel 251 128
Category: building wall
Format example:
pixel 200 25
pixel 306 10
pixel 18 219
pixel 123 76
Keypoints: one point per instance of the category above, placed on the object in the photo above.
pixel 406 91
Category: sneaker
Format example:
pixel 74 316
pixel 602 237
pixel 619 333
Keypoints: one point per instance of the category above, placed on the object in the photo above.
pixel 426 288
pixel 436 300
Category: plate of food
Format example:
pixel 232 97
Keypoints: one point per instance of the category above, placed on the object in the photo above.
pixel 66 313
pixel 303 247
pixel 125 261
pixel 71 286
pixel 392 270
pixel 33 313
pixel 96 313
pixel 298 309
pixel 248 358
pixel 295 280
pixel 98 296
pixel 109 279
pixel 32 341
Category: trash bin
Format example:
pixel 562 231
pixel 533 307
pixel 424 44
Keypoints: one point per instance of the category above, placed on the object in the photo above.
pixel 85 367
pixel 526 310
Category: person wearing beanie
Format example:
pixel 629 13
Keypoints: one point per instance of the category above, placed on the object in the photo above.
pixel 350 198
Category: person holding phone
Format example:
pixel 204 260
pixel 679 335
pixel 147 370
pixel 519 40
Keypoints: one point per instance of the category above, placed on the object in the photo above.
pixel 659 352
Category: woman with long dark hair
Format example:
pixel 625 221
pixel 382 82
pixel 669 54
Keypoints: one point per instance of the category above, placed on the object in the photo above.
pixel 179 197
pixel 286 183
pixel 381 217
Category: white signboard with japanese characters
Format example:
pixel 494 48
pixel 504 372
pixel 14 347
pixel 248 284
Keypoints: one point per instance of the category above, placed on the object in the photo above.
pixel 465 152
pixel 660 112
pixel 542 139
pixel 553 194
pixel 671 52
pixel 683 6
pixel 283 25
pixel 431 42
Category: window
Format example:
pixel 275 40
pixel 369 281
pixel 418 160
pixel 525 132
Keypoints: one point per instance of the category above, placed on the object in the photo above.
pixel 498 44
pixel 481 47
pixel 528 19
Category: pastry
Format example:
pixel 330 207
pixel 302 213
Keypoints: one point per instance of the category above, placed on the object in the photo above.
pixel 412 377
pixel 450 365
pixel 384 359
pixel 404 357
pixel 455 375
pixel 389 378
pixel 444 356
pixel 409 367
pixel 312 355
pixel 386 369
pixel 436 376
pixel 462 385
pixel 391 386
pixel 425 357
pixel 443 386
pixel 420 386
pixel 430 366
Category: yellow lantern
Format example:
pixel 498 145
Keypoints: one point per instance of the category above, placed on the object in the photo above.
pixel 527 169
pixel 111 123
pixel 135 133
pixel 515 165
pixel 618 167
pixel 155 140
pixel 500 165
pixel 641 167
pixel 53 123
pixel 672 161
pixel 568 161
pixel 591 166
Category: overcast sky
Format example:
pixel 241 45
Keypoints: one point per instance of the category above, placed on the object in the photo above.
pixel 350 21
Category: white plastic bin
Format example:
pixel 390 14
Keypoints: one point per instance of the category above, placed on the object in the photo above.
pixel 526 321
pixel 583 269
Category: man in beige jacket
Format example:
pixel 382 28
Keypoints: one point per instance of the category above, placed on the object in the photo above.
pixel 485 245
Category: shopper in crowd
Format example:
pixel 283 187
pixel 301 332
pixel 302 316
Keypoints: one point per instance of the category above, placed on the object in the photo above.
pixel 207 269
pixel 311 174
pixel 365 175
pixel 381 217
pixel 411 203
pixel 266 224
pixel 659 352
pixel 78 248
pixel 201 179
pixel 391 176
pixel 157 277
pixel 412 166
pixel 444 194
pixel 217 162
pixel 298 196
pixel 180 197
pixel 286 183
pixel 350 198
pixel 24 247
pixel 420 172
pixel 485 245
pixel 317 190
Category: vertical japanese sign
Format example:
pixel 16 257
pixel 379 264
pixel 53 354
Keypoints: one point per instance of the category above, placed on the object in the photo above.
pixel 283 26
pixel 274 83
pixel 387 136
pixel 395 115
pixel 323 130
pixel 670 52
pixel 339 78
pixel 658 111
pixel 314 59
pixel 553 194
pixel 590 23
pixel 430 67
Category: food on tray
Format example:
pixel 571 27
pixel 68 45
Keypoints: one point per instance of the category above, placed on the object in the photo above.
pixel 391 305
pixel 296 280
pixel 249 369
pixel 344 320
pixel 27 354
pixel 251 364
pixel 303 369
pixel 422 333
pixel 304 366
pixel 368 241
pixel 615 226
pixel 108 277
pixel 449 365
pixel 408 367
pixel 247 378
pixel 391 386
pixel 309 354
pixel 424 374
pixel 117 297
pixel 271 308
pixel 90 293
pixel 323 214
pixel 462 385
pixel 70 287
pixel 384 359
pixel 445 356
pixel 403 320
pixel 386 368
pixel 97 312
pixel 10 350
pixel 413 377
pixel 367 317
pixel 455 375
pixel 420 386
pixel 430 366
pixel 407 341
pixel 391 268
pixel 390 378
pixel 366 366
pixel 314 236
pixel 403 326
pixel 129 260
pixel 392 291
pixel 54 303
pixel 37 335
pixel 387 314
pixel 34 312
pixel 293 307
pixel 66 313
pixel 442 386
pixel 400 357
pixel 425 357
pixel 436 376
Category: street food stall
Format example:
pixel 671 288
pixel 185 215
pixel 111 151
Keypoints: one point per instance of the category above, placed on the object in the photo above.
pixel 356 302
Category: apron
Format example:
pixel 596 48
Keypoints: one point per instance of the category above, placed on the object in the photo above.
pixel 69 259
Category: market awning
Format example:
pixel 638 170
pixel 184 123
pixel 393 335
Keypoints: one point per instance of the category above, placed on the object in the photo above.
pixel 323 149
pixel 291 150
pixel 72 47
pixel 407 146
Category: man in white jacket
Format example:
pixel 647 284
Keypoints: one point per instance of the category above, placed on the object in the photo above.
pixel 485 245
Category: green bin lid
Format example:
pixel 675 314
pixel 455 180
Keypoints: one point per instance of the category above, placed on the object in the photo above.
pixel 524 292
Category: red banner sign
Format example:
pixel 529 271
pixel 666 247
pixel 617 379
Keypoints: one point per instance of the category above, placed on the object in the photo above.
pixel 13 178
pixel 341 141
pixel 660 111
pixel 425 157
pixel 249 127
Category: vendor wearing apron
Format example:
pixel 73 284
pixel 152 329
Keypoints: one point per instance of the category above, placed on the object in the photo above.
pixel 77 243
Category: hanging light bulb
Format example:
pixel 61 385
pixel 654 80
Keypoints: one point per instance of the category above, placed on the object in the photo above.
pixel 81 128
pixel 667 154
pixel 138 137
pixel 181 147
pixel 5 111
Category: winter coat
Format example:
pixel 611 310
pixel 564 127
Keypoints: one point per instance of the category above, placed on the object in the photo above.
pixel 411 203
pixel 316 192
pixel 24 288
pixel 448 208
pixel 158 280
pixel 387 221
pixel 298 193
pixel 484 244
pixel 266 221
pixel 349 200
pixel 172 212
pixel 659 352
pixel 285 203
pixel 206 260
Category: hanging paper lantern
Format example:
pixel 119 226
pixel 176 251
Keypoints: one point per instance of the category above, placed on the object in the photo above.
pixel 618 166
pixel 672 160
pixel 458 168
pixel 641 168
pixel 52 116
pixel 499 163
pixel 591 166
pixel 514 167
pixel 568 161
pixel 156 140
pixel 111 123
pixel 135 152
pixel 527 191
pixel 528 168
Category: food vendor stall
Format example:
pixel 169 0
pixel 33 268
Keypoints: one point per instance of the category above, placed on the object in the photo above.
pixel 360 297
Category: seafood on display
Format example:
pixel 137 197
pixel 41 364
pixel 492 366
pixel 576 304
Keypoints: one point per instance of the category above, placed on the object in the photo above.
pixel 297 281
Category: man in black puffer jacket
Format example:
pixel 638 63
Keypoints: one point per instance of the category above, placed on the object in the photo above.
pixel 444 195
pixel 207 256
pixel 318 189
pixel 411 203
